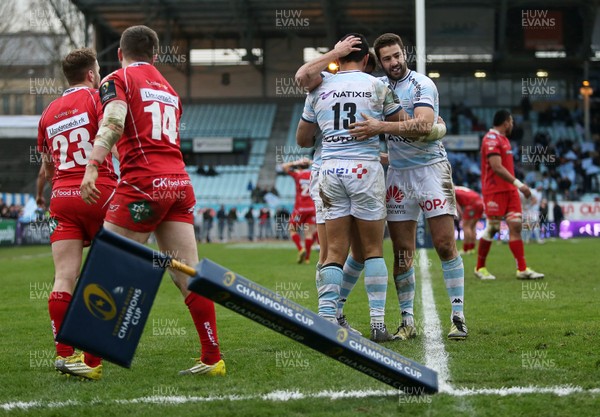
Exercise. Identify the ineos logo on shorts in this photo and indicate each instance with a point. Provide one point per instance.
(99, 302)
(394, 193)
(429, 205)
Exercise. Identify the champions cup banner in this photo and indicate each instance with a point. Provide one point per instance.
(304, 326)
(113, 297)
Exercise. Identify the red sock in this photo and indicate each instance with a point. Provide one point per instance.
(467, 247)
(205, 320)
(58, 302)
(316, 237)
(91, 360)
(482, 252)
(518, 251)
(308, 243)
(296, 239)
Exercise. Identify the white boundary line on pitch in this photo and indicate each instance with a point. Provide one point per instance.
(436, 356)
(283, 396)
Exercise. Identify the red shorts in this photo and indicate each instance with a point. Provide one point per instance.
(474, 211)
(141, 204)
(306, 217)
(501, 203)
(72, 218)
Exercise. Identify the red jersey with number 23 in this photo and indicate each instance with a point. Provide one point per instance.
(150, 142)
(494, 143)
(304, 203)
(67, 130)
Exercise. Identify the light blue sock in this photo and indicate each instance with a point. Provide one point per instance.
(352, 270)
(405, 288)
(454, 278)
(328, 288)
(376, 280)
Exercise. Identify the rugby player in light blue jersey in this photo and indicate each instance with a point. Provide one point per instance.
(351, 179)
(419, 180)
(309, 76)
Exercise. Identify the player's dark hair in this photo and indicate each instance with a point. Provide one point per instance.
(372, 63)
(139, 43)
(356, 56)
(77, 63)
(387, 39)
(501, 116)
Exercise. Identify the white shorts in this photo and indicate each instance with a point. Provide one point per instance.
(352, 188)
(428, 189)
(314, 194)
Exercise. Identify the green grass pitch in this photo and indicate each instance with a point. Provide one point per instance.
(537, 335)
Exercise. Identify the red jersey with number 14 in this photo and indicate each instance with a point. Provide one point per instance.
(67, 130)
(150, 142)
(494, 143)
(304, 202)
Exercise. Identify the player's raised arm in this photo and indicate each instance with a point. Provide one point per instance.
(109, 133)
(309, 75)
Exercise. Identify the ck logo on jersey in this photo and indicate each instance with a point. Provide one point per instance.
(429, 205)
(140, 211)
(394, 193)
(359, 171)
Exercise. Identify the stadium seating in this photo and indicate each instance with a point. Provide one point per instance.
(229, 187)
(252, 121)
(249, 121)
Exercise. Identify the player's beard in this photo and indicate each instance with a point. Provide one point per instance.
(396, 72)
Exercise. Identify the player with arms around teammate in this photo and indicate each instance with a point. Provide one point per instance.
(470, 207)
(141, 116)
(419, 179)
(65, 136)
(351, 179)
(303, 215)
(500, 191)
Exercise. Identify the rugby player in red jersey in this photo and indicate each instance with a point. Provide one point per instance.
(65, 137)
(141, 116)
(304, 212)
(470, 207)
(501, 199)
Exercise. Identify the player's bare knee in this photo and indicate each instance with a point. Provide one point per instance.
(492, 227)
(403, 260)
(445, 248)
